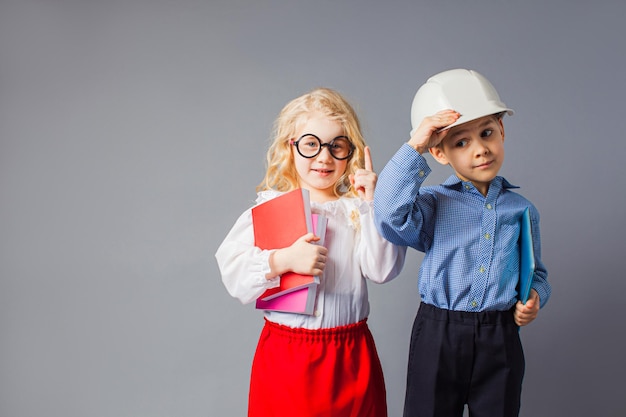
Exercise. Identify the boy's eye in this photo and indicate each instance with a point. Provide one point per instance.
(461, 143)
(486, 133)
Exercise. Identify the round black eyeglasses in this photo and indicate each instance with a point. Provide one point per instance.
(309, 146)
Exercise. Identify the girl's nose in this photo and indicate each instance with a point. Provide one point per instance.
(325, 153)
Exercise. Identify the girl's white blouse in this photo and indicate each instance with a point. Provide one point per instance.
(356, 252)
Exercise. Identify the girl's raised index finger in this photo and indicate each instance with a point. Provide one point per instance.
(368, 159)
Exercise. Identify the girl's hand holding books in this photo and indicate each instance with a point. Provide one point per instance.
(302, 257)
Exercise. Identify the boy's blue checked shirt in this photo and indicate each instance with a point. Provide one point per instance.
(470, 241)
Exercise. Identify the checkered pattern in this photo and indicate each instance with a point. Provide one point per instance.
(470, 241)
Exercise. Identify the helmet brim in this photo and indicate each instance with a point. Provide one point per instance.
(473, 114)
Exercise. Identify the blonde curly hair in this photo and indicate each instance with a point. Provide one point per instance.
(281, 173)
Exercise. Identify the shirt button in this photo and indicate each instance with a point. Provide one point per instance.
(481, 269)
(474, 303)
(421, 173)
(317, 313)
(489, 206)
(487, 236)
(467, 187)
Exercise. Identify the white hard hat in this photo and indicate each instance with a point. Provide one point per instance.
(462, 90)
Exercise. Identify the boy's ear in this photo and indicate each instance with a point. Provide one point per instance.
(439, 155)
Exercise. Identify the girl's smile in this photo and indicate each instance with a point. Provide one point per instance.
(322, 172)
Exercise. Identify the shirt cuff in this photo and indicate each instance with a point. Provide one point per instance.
(264, 269)
(412, 162)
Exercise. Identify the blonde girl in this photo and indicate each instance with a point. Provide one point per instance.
(324, 364)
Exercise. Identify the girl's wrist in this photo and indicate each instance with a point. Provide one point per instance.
(279, 263)
(274, 266)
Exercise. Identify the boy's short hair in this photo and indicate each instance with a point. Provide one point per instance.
(498, 116)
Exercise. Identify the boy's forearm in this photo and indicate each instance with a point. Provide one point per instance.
(395, 195)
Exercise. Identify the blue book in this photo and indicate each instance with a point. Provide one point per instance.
(527, 257)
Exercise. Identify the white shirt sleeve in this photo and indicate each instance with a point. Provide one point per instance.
(244, 266)
(381, 261)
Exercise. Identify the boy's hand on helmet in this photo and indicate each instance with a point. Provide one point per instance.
(429, 134)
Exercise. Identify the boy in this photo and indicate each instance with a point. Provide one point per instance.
(465, 346)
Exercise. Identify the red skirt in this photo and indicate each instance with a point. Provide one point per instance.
(313, 373)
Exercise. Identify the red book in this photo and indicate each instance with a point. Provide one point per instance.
(300, 301)
(277, 224)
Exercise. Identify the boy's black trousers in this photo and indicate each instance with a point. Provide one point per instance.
(459, 358)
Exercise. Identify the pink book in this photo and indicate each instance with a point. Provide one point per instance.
(301, 301)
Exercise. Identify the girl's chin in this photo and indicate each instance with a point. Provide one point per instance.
(322, 185)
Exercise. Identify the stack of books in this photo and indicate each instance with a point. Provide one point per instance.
(278, 223)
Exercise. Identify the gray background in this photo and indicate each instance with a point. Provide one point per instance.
(133, 133)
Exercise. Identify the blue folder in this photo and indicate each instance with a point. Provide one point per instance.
(527, 258)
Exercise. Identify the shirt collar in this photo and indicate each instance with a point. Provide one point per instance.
(454, 182)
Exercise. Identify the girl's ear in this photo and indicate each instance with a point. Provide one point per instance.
(439, 155)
